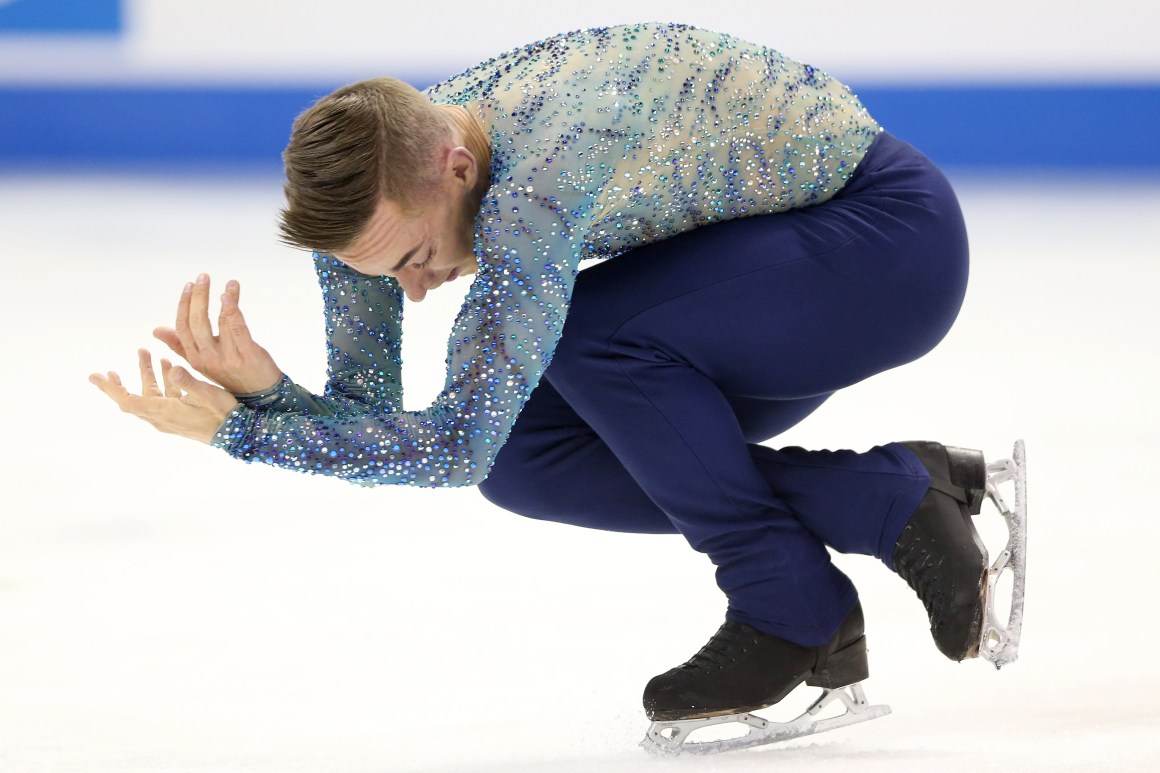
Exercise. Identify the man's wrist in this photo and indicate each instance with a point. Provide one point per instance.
(266, 397)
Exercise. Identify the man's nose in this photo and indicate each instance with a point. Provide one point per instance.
(413, 285)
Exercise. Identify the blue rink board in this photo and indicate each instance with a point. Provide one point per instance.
(1072, 127)
(61, 16)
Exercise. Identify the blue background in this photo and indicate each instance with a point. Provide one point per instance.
(56, 16)
(1013, 128)
(106, 124)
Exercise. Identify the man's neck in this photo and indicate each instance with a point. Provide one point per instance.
(472, 134)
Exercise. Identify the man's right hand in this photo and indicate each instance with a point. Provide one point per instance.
(232, 359)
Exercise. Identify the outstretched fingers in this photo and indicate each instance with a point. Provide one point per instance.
(199, 325)
(110, 384)
(171, 389)
(235, 333)
(180, 405)
(149, 384)
(145, 405)
(181, 329)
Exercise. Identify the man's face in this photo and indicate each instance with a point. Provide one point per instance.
(422, 250)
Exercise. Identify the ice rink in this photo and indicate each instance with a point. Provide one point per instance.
(165, 608)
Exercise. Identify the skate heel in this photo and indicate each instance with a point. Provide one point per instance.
(844, 667)
(965, 476)
(968, 471)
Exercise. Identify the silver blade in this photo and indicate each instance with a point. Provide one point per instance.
(1000, 639)
(672, 738)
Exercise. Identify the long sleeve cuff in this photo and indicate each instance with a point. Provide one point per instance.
(287, 397)
(267, 397)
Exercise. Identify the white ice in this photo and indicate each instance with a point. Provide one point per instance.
(165, 608)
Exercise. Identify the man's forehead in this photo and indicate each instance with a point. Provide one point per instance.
(380, 233)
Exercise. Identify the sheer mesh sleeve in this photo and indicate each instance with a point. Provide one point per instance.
(503, 338)
(364, 317)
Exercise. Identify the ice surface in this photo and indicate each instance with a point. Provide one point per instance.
(164, 608)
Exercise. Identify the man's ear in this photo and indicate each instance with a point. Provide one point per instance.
(462, 163)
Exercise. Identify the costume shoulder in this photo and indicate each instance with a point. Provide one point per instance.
(602, 49)
(643, 131)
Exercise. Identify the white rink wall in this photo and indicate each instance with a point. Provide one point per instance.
(987, 41)
(1017, 86)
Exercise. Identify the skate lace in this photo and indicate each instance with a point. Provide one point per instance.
(920, 568)
(723, 648)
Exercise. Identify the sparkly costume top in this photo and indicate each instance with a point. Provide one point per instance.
(601, 140)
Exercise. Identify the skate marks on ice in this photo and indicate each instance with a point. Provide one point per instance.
(676, 737)
(1000, 639)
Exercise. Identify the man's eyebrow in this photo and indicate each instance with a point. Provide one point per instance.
(406, 258)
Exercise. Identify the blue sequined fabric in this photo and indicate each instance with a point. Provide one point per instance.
(601, 140)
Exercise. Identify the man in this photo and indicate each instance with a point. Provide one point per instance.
(771, 245)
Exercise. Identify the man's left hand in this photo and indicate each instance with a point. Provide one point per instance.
(186, 406)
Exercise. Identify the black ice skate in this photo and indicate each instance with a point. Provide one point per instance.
(942, 557)
(742, 670)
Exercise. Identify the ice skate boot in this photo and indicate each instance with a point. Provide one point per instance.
(942, 557)
(741, 670)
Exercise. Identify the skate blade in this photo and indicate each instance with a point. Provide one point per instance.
(672, 738)
(999, 639)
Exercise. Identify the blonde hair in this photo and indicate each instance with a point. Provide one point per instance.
(372, 139)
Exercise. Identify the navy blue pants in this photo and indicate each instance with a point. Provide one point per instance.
(680, 356)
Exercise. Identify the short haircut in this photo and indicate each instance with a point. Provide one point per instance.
(374, 139)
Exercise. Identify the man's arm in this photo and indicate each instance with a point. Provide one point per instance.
(364, 318)
(502, 340)
(363, 330)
